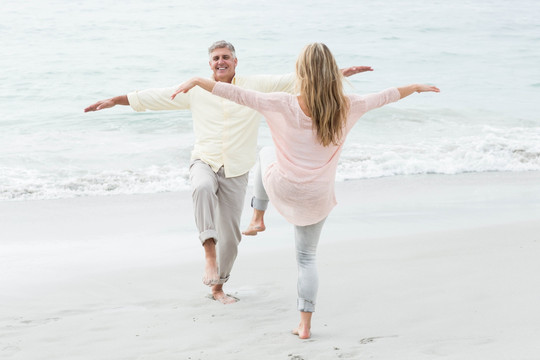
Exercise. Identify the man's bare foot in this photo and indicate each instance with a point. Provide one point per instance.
(302, 332)
(211, 274)
(257, 223)
(252, 230)
(219, 295)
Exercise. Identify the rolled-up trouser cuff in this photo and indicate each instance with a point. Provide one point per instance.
(208, 234)
(259, 204)
(222, 280)
(306, 305)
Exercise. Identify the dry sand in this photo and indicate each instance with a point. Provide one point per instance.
(417, 267)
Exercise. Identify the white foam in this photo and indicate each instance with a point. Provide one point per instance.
(35, 185)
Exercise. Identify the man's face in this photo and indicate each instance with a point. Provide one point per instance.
(223, 64)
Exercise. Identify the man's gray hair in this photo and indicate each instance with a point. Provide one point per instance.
(222, 44)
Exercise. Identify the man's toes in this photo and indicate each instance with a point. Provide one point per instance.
(224, 298)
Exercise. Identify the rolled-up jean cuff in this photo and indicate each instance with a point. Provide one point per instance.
(208, 234)
(306, 305)
(259, 204)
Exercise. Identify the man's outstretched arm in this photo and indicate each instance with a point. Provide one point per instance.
(108, 103)
(353, 70)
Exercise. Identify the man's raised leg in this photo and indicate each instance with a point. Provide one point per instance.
(260, 200)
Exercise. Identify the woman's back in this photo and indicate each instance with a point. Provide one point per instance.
(301, 182)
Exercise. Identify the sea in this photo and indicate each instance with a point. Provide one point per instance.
(59, 56)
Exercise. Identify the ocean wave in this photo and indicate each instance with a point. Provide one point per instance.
(358, 161)
(375, 149)
(33, 185)
(493, 152)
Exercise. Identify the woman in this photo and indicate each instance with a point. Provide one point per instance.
(308, 131)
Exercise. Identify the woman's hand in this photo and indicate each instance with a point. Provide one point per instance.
(355, 70)
(185, 87)
(405, 91)
(425, 88)
(205, 84)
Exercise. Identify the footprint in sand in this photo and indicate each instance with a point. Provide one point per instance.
(296, 357)
(372, 339)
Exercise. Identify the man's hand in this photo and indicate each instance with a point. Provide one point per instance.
(355, 70)
(108, 103)
(103, 104)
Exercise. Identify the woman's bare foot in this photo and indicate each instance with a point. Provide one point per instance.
(219, 295)
(257, 223)
(304, 328)
(211, 274)
(302, 332)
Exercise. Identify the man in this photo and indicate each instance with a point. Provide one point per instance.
(223, 153)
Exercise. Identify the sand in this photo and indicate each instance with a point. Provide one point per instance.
(415, 267)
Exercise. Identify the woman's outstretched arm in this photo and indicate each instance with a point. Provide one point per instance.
(405, 91)
(206, 84)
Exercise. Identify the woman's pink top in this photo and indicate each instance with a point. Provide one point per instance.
(300, 184)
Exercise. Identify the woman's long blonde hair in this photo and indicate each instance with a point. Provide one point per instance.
(320, 83)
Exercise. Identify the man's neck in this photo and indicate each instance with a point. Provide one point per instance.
(230, 81)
